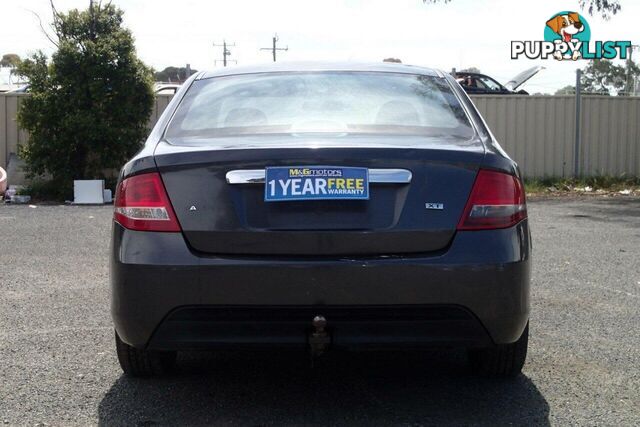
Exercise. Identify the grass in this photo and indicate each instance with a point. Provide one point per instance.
(593, 184)
(48, 191)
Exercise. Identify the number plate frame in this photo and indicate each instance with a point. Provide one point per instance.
(300, 183)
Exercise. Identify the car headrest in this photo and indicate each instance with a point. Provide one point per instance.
(397, 113)
(245, 117)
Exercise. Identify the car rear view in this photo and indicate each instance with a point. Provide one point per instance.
(320, 207)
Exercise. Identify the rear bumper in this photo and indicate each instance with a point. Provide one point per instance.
(164, 296)
(349, 326)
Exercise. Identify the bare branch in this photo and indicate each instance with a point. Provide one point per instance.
(54, 11)
(56, 18)
(46, 34)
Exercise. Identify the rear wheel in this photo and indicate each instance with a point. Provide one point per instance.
(143, 363)
(504, 360)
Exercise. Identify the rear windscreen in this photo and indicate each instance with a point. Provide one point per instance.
(352, 102)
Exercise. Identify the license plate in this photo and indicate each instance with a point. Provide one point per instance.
(316, 183)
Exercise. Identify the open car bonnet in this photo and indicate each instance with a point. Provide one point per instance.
(521, 78)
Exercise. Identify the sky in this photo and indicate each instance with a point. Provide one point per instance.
(460, 34)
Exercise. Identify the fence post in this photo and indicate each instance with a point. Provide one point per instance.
(576, 147)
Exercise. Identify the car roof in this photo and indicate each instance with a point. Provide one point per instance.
(388, 67)
(465, 73)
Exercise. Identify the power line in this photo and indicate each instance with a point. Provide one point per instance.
(274, 47)
(225, 52)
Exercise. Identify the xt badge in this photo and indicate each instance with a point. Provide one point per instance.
(434, 206)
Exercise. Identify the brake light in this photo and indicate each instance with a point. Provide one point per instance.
(142, 204)
(496, 201)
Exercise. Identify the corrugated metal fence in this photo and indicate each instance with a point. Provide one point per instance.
(539, 133)
(536, 131)
(10, 133)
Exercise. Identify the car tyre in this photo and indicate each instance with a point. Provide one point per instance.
(501, 361)
(143, 363)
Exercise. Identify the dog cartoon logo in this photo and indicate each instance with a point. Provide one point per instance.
(566, 27)
(567, 35)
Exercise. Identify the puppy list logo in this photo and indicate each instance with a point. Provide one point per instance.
(567, 35)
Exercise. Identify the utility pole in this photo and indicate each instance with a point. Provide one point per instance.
(576, 147)
(274, 47)
(225, 52)
(629, 85)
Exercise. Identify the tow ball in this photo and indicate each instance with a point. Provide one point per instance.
(319, 339)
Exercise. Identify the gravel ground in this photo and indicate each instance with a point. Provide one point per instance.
(58, 366)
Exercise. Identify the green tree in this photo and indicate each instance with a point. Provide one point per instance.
(89, 106)
(10, 60)
(604, 77)
(567, 90)
(173, 74)
(605, 8)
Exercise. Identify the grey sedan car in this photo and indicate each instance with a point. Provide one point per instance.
(320, 207)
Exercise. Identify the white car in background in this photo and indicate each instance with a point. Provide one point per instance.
(8, 81)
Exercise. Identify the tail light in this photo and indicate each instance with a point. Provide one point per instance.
(496, 201)
(142, 204)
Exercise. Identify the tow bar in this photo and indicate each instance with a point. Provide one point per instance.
(319, 339)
